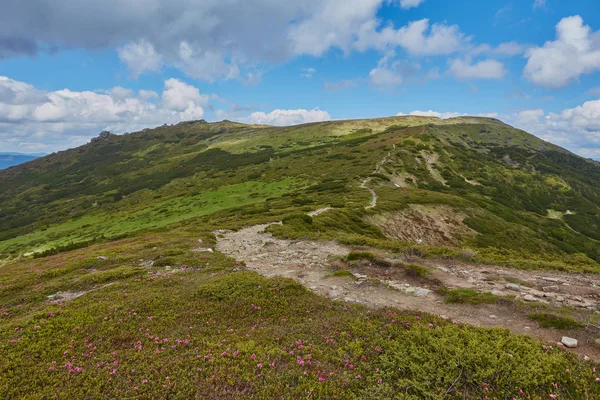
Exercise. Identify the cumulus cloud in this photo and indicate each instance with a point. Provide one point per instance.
(417, 38)
(288, 117)
(486, 69)
(387, 75)
(406, 4)
(445, 115)
(215, 39)
(33, 119)
(140, 57)
(577, 129)
(576, 51)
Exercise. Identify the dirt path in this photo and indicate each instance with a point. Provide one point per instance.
(377, 169)
(310, 263)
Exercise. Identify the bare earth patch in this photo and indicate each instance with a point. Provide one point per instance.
(436, 225)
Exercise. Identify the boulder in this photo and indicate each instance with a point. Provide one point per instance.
(512, 286)
(529, 297)
(569, 342)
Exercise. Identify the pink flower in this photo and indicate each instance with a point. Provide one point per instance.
(259, 366)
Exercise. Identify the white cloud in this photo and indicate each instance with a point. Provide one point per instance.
(215, 39)
(577, 129)
(140, 57)
(120, 93)
(288, 117)
(575, 52)
(179, 96)
(529, 117)
(446, 115)
(509, 48)
(387, 75)
(486, 69)
(406, 4)
(66, 118)
(417, 38)
(539, 4)
(308, 73)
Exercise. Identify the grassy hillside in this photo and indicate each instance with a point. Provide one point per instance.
(151, 318)
(109, 287)
(506, 196)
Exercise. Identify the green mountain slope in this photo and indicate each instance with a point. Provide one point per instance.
(505, 195)
(112, 283)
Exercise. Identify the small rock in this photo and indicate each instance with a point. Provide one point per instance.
(200, 241)
(443, 316)
(586, 358)
(443, 269)
(409, 290)
(102, 258)
(560, 299)
(512, 286)
(559, 344)
(597, 341)
(552, 288)
(360, 277)
(527, 328)
(496, 293)
(529, 297)
(493, 316)
(168, 268)
(569, 342)
(548, 279)
(420, 292)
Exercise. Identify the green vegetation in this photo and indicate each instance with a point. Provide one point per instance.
(102, 295)
(548, 320)
(201, 328)
(470, 296)
(342, 273)
(361, 255)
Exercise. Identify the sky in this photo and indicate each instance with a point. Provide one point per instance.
(70, 69)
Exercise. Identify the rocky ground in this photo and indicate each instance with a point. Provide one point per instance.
(312, 264)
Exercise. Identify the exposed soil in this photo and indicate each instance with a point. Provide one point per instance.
(312, 263)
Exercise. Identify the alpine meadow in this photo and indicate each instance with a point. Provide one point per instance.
(131, 268)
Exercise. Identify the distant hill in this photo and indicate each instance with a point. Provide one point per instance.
(500, 192)
(11, 159)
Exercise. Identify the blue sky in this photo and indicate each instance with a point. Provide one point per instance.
(71, 69)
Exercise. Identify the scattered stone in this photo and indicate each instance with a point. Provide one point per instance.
(559, 344)
(360, 277)
(529, 297)
(102, 258)
(420, 292)
(496, 293)
(443, 269)
(552, 288)
(409, 290)
(512, 286)
(597, 341)
(444, 316)
(548, 279)
(569, 342)
(493, 316)
(168, 268)
(527, 328)
(586, 358)
(200, 241)
(560, 299)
